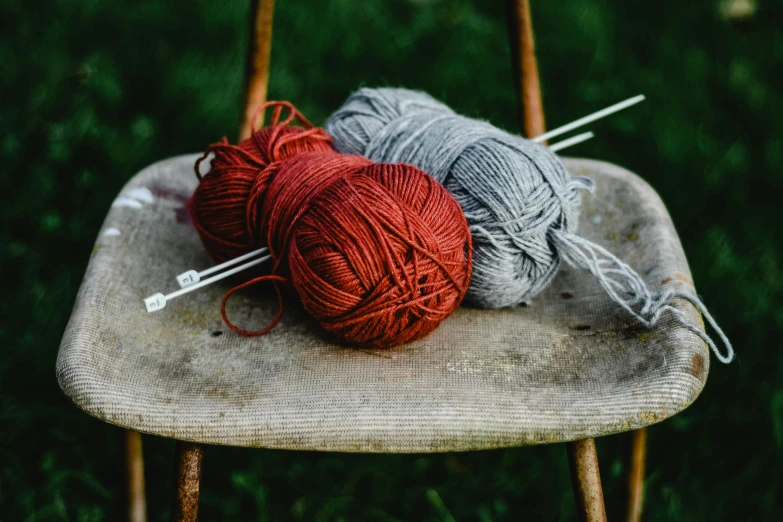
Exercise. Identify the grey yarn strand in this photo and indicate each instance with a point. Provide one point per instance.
(520, 203)
(626, 288)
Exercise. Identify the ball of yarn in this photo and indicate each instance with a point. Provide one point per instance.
(380, 254)
(220, 206)
(514, 193)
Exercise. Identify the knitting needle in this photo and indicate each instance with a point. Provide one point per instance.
(579, 138)
(191, 277)
(589, 118)
(158, 301)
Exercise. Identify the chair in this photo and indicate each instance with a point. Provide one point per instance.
(570, 367)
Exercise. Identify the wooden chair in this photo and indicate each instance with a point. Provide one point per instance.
(568, 368)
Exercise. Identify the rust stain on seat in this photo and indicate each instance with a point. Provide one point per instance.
(697, 365)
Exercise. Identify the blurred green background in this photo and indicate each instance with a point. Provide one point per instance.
(91, 92)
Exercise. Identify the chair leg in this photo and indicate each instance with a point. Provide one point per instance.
(636, 475)
(185, 505)
(134, 464)
(586, 479)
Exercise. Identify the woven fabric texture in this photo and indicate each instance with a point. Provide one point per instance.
(571, 365)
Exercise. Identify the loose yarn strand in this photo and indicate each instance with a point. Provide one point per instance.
(293, 113)
(275, 279)
(625, 287)
(711, 321)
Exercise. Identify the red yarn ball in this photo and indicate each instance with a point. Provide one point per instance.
(380, 254)
(219, 208)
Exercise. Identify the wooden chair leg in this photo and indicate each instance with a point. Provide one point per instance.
(186, 491)
(586, 479)
(134, 465)
(636, 475)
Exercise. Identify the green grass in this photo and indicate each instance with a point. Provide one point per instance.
(91, 92)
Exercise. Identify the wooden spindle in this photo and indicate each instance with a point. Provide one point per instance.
(636, 474)
(586, 480)
(525, 66)
(582, 454)
(258, 56)
(134, 465)
(187, 489)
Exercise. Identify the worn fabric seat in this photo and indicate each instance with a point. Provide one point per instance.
(571, 365)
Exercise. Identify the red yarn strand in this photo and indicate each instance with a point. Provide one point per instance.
(274, 279)
(293, 114)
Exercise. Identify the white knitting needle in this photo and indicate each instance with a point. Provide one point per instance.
(191, 277)
(573, 140)
(158, 301)
(589, 118)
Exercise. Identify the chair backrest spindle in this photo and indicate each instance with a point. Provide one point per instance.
(523, 55)
(258, 57)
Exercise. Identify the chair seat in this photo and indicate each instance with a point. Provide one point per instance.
(570, 365)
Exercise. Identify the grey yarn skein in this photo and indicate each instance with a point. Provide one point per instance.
(520, 203)
(513, 191)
